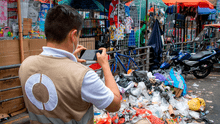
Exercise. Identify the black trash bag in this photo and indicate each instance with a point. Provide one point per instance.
(140, 76)
(124, 80)
(158, 89)
(165, 96)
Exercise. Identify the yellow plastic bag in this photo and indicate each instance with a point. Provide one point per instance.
(197, 104)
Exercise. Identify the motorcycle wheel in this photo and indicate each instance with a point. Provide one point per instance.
(202, 73)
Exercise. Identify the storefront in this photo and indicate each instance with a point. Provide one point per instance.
(185, 19)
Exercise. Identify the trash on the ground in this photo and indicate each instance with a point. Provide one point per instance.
(197, 104)
(195, 85)
(153, 99)
(212, 77)
(208, 101)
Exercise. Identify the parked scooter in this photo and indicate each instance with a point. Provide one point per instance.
(199, 64)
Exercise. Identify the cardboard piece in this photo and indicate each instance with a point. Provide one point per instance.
(27, 25)
(178, 92)
(4, 115)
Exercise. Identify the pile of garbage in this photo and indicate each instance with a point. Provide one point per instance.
(145, 99)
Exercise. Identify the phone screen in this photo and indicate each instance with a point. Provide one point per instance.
(89, 54)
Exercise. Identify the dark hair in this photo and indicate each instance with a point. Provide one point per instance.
(60, 20)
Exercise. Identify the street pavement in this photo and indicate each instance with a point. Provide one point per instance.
(208, 89)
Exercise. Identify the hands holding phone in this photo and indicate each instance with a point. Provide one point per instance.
(102, 58)
(78, 50)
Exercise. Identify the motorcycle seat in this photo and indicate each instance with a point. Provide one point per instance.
(200, 55)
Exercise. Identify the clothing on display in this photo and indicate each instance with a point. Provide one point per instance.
(127, 11)
(117, 33)
(119, 12)
(128, 21)
(134, 15)
(139, 36)
(3, 12)
(111, 11)
(131, 41)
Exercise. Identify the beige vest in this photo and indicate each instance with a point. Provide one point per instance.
(52, 90)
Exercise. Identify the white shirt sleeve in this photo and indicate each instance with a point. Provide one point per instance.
(94, 91)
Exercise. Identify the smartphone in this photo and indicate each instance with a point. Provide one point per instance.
(89, 54)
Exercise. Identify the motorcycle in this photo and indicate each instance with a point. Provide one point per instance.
(199, 64)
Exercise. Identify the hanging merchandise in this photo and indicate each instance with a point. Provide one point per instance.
(139, 35)
(3, 13)
(128, 22)
(112, 7)
(134, 14)
(33, 10)
(131, 40)
(117, 33)
(24, 9)
(42, 14)
(119, 13)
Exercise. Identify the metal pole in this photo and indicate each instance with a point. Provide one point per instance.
(105, 19)
(20, 30)
(139, 26)
(146, 35)
(118, 21)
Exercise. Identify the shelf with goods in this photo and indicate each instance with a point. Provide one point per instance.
(94, 26)
(175, 26)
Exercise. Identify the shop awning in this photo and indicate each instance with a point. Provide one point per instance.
(190, 3)
(205, 11)
(101, 7)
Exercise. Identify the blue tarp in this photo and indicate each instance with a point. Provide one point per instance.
(206, 11)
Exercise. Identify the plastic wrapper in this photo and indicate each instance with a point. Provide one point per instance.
(156, 110)
(194, 114)
(136, 91)
(141, 85)
(135, 120)
(164, 105)
(145, 93)
(156, 99)
(123, 90)
(133, 100)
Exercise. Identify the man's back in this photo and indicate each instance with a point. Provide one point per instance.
(52, 90)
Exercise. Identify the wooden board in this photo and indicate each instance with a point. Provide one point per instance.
(36, 44)
(9, 83)
(9, 73)
(89, 43)
(27, 25)
(12, 106)
(10, 93)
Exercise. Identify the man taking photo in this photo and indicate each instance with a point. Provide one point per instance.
(56, 87)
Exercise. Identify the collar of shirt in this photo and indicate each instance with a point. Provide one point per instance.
(49, 51)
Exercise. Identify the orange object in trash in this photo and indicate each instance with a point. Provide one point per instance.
(121, 121)
(129, 71)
